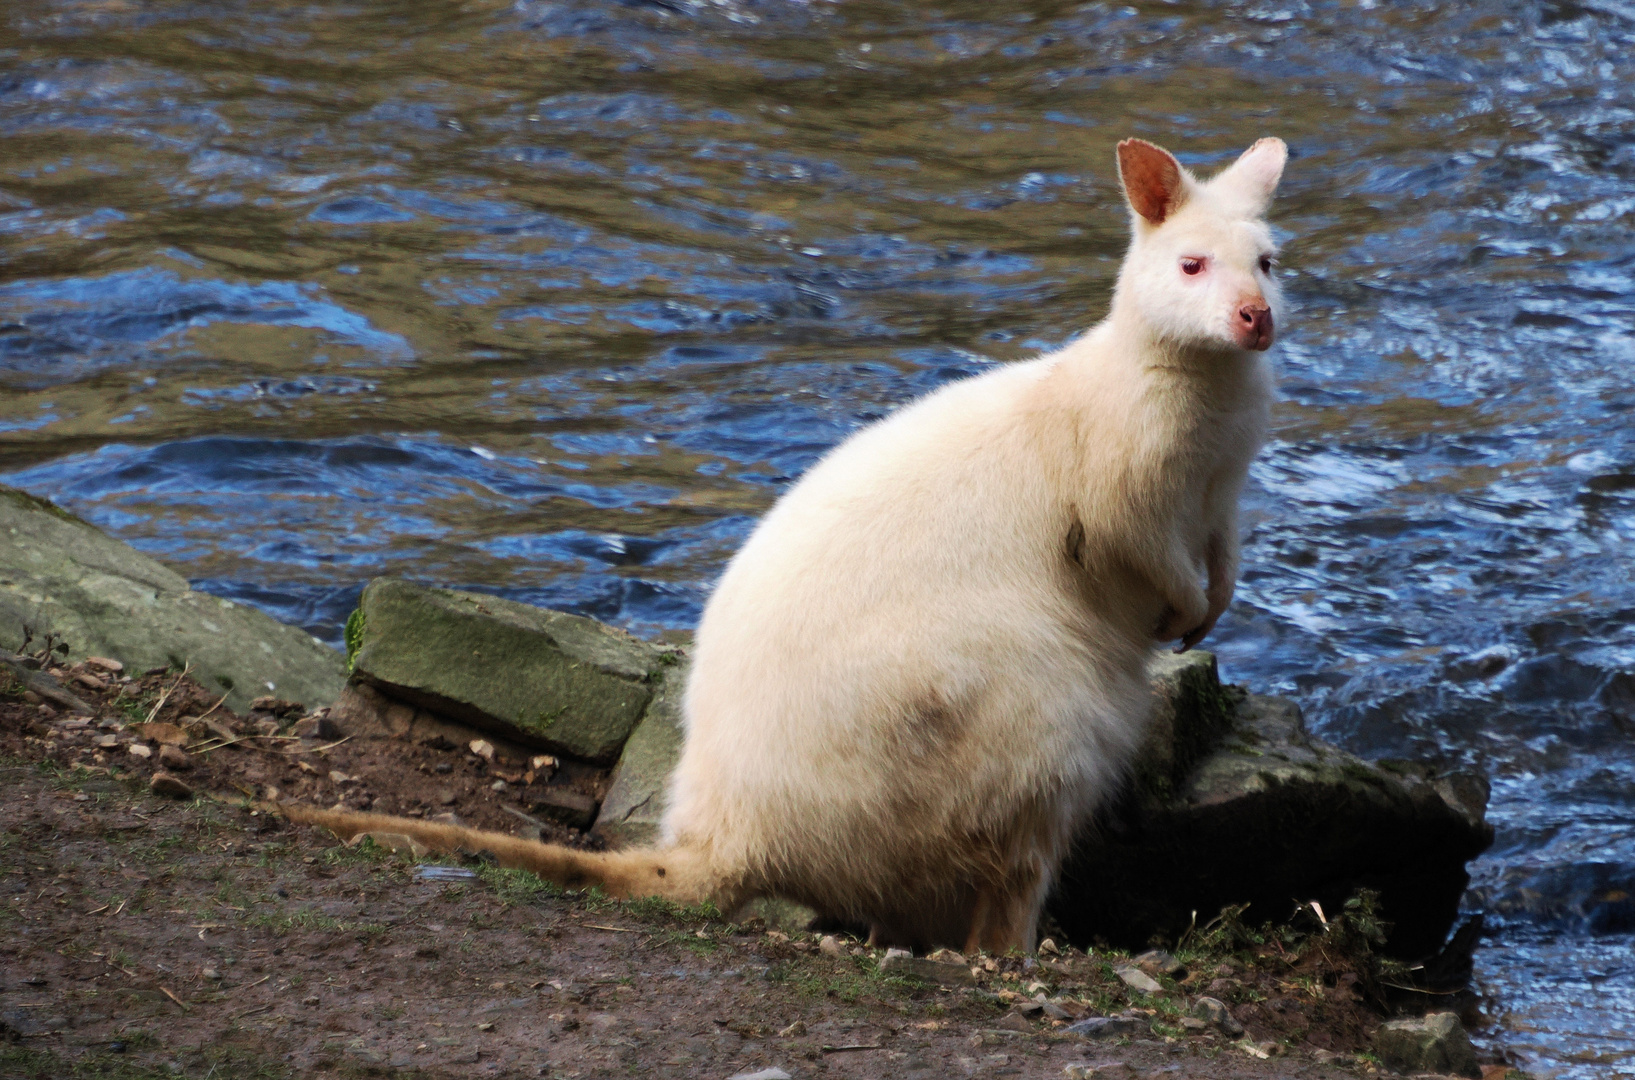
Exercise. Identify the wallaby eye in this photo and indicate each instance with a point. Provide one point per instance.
(1192, 267)
(1265, 264)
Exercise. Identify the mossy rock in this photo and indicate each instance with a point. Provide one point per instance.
(1232, 802)
(561, 682)
(63, 576)
(633, 808)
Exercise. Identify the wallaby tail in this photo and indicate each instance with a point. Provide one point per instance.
(676, 874)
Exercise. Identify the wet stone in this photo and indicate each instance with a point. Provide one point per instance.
(1136, 979)
(1213, 1011)
(1436, 1043)
(1158, 962)
(1108, 1027)
(169, 786)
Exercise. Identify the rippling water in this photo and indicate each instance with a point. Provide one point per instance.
(553, 299)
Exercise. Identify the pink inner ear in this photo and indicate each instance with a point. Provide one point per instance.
(1152, 179)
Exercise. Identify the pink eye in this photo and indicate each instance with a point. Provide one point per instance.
(1192, 267)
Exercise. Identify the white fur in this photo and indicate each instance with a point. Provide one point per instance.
(926, 666)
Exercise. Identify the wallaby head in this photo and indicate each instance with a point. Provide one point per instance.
(1199, 271)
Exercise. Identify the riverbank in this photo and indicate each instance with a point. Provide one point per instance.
(160, 926)
(148, 936)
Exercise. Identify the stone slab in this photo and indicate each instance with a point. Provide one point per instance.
(633, 809)
(543, 678)
(1434, 1043)
(1267, 813)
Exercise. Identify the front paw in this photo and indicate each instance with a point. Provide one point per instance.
(1175, 623)
(1195, 635)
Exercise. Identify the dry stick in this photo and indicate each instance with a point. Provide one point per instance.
(43, 684)
(234, 742)
(185, 1006)
(164, 695)
(247, 738)
(314, 750)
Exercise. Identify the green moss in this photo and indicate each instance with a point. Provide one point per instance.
(366, 852)
(354, 637)
(34, 502)
(516, 888)
(658, 908)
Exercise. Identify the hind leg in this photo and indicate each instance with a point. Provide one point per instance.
(1006, 916)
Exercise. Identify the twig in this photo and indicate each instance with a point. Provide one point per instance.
(164, 695)
(252, 1012)
(214, 707)
(845, 1049)
(258, 982)
(314, 750)
(250, 738)
(43, 684)
(1423, 990)
(185, 1006)
(615, 929)
(529, 818)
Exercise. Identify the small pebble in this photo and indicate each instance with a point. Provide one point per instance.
(141, 750)
(165, 784)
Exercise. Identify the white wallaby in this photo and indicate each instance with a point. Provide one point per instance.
(926, 667)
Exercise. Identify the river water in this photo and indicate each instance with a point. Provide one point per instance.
(552, 299)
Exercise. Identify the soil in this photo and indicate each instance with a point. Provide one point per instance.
(150, 936)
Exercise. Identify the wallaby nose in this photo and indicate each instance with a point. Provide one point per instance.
(1255, 325)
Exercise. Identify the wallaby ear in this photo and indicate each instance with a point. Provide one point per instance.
(1153, 181)
(1256, 173)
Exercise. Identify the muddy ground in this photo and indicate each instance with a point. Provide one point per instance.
(149, 936)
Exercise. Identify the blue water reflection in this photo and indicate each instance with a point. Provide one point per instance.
(552, 300)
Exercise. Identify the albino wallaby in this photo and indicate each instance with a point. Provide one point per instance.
(926, 667)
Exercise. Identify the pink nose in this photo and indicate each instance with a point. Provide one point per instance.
(1255, 325)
